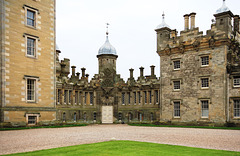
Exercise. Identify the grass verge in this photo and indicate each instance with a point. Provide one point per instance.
(125, 148)
(55, 126)
(207, 127)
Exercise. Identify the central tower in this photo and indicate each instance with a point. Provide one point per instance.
(107, 57)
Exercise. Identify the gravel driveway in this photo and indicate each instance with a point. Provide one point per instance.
(37, 139)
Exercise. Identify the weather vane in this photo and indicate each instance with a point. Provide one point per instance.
(107, 27)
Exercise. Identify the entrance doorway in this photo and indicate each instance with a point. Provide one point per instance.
(107, 114)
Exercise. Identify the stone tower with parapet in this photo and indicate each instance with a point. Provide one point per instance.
(198, 72)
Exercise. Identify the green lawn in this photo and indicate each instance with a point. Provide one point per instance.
(130, 148)
(207, 127)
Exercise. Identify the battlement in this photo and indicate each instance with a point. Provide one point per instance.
(168, 41)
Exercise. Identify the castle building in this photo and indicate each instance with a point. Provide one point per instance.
(27, 44)
(199, 82)
(200, 74)
(106, 98)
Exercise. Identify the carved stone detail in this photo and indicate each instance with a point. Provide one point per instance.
(211, 42)
(196, 44)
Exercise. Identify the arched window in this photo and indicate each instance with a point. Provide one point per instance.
(151, 117)
(75, 116)
(95, 116)
(140, 117)
(129, 116)
(119, 116)
(64, 117)
(85, 116)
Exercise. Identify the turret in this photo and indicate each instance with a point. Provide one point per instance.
(223, 18)
(163, 34)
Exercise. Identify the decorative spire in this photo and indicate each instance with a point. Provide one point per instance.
(224, 8)
(163, 24)
(107, 28)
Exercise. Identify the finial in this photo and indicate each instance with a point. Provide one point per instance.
(107, 28)
(163, 15)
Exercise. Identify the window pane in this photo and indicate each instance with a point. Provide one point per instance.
(150, 96)
(30, 46)
(205, 82)
(31, 89)
(176, 64)
(91, 98)
(236, 81)
(32, 119)
(123, 98)
(205, 60)
(236, 108)
(30, 18)
(205, 108)
(176, 85)
(177, 109)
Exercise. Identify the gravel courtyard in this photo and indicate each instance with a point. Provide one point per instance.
(37, 139)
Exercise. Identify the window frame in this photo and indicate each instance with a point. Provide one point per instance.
(139, 97)
(32, 115)
(70, 97)
(202, 84)
(174, 85)
(156, 96)
(176, 66)
(36, 39)
(236, 84)
(150, 97)
(35, 11)
(65, 98)
(76, 98)
(145, 97)
(207, 62)
(176, 110)
(203, 109)
(123, 98)
(236, 110)
(58, 96)
(91, 98)
(35, 79)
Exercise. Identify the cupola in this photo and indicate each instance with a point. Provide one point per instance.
(163, 24)
(107, 48)
(224, 8)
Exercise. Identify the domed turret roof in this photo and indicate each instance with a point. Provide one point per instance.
(163, 24)
(224, 8)
(107, 48)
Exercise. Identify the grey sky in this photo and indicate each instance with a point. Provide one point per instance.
(81, 27)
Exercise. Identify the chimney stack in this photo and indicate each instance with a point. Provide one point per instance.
(131, 72)
(83, 72)
(141, 71)
(192, 15)
(73, 70)
(186, 19)
(152, 70)
(78, 74)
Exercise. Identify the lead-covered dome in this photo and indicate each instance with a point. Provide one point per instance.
(224, 8)
(107, 48)
(163, 24)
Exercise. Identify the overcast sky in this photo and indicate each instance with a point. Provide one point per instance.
(81, 29)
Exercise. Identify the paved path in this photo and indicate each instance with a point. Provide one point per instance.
(37, 139)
